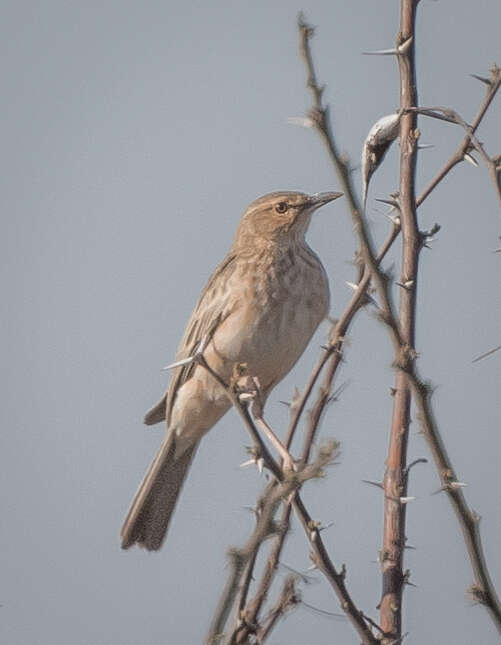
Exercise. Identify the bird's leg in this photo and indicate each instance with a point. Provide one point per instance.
(288, 461)
(249, 391)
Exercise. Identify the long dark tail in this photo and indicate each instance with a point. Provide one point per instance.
(148, 519)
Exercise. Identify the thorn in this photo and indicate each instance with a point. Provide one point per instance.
(388, 214)
(450, 486)
(407, 285)
(337, 392)
(403, 47)
(391, 202)
(393, 51)
(468, 157)
(302, 121)
(327, 526)
(200, 348)
(381, 52)
(421, 460)
(482, 79)
(425, 146)
(406, 500)
(249, 462)
(184, 361)
(442, 115)
(373, 483)
(369, 298)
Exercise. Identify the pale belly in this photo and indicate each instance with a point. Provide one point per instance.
(266, 333)
(270, 334)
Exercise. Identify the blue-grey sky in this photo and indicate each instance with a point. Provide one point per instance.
(133, 135)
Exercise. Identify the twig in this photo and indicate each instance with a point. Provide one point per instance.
(319, 115)
(294, 480)
(468, 519)
(493, 85)
(240, 558)
(492, 163)
(336, 578)
(288, 598)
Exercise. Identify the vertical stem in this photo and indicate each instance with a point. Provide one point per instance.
(395, 479)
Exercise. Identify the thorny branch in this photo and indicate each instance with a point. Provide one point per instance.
(470, 141)
(312, 529)
(464, 148)
(265, 528)
(396, 474)
(483, 590)
(289, 597)
(332, 357)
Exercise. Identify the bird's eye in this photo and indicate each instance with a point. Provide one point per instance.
(281, 207)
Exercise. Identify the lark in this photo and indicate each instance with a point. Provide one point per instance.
(260, 308)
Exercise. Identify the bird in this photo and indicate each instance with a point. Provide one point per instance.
(259, 308)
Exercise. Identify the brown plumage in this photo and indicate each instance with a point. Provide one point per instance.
(268, 295)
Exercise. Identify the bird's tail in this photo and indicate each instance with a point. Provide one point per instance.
(148, 518)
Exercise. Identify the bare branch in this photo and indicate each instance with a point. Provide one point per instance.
(402, 334)
(332, 357)
(288, 484)
(468, 519)
(289, 597)
(321, 559)
(240, 558)
(396, 474)
(492, 87)
(405, 352)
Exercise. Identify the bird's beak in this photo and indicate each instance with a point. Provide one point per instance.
(320, 199)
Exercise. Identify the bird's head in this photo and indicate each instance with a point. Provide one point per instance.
(281, 217)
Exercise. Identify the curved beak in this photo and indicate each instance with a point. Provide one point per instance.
(320, 199)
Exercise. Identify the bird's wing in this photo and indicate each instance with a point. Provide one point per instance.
(212, 308)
